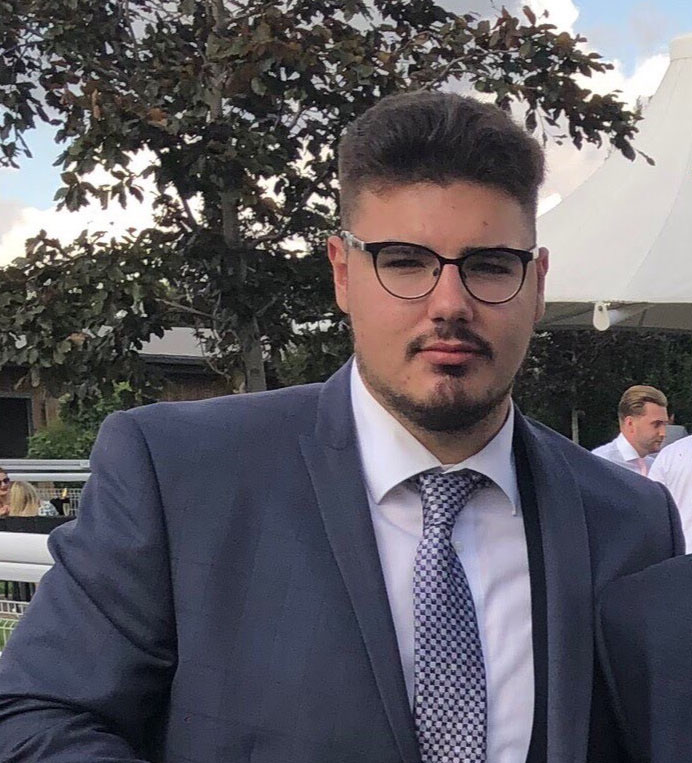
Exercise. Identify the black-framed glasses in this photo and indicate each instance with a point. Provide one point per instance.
(5, 481)
(410, 271)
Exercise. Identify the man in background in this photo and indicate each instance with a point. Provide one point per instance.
(674, 431)
(673, 468)
(643, 416)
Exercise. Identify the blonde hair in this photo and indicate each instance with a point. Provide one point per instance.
(635, 398)
(24, 500)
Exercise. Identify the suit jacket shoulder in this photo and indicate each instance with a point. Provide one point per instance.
(645, 621)
(291, 406)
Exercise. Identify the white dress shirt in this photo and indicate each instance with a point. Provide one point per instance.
(490, 540)
(673, 467)
(621, 452)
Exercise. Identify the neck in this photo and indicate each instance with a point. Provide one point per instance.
(454, 447)
(640, 453)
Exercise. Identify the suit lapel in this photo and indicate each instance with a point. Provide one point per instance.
(569, 596)
(333, 461)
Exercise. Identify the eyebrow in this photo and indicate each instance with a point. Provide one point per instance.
(464, 250)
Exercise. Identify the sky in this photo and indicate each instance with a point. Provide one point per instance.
(631, 34)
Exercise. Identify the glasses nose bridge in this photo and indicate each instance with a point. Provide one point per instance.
(455, 262)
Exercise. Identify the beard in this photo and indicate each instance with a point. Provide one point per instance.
(450, 408)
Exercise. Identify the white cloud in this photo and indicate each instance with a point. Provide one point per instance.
(642, 83)
(562, 13)
(26, 222)
(23, 222)
(569, 167)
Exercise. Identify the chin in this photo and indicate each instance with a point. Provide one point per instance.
(447, 407)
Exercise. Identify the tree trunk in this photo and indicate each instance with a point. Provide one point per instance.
(575, 426)
(251, 349)
(253, 358)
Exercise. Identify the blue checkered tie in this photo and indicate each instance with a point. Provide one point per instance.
(449, 694)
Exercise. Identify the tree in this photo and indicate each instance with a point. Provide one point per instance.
(73, 434)
(236, 106)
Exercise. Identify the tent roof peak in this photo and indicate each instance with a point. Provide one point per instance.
(681, 47)
(625, 234)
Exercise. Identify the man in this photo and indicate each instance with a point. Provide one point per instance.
(674, 432)
(392, 567)
(673, 468)
(643, 416)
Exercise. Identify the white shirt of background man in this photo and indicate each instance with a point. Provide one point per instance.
(490, 541)
(621, 451)
(673, 468)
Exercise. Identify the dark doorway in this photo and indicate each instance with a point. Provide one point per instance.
(14, 426)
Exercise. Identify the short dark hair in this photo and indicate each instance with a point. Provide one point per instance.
(438, 138)
(635, 398)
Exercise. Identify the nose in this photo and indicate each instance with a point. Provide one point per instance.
(450, 299)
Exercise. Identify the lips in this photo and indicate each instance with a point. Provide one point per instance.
(450, 353)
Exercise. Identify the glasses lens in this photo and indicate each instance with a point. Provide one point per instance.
(406, 270)
(492, 275)
(5, 480)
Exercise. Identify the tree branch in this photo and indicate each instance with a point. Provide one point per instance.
(185, 309)
(281, 232)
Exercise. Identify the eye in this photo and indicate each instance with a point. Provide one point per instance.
(492, 264)
(405, 258)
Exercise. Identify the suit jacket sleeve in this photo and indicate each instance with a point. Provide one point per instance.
(88, 669)
(675, 524)
(643, 628)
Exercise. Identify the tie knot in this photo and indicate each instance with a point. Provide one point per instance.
(444, 495)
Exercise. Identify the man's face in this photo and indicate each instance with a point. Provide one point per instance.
(646, 432)
(442, 361)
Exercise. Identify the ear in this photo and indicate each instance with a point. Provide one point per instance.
(338, 257)
(542, 264)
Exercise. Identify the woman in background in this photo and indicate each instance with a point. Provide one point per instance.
(4, 493)
(25, 502)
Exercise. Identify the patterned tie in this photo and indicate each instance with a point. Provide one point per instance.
(449, 694)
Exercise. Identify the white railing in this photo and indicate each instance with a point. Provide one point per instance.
(24, 557)
(12, 608)
(47, 470)
(43, 472)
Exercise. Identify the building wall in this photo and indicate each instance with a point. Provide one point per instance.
(44, 408)
(186, 387)
(183, 382)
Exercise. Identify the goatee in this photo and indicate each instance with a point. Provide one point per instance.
(449, 409)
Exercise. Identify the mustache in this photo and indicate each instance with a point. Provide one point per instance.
(451, 331)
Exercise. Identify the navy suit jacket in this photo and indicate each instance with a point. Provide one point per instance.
(220, 596)
(645, 635)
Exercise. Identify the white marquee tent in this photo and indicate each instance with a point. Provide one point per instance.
(621, 244)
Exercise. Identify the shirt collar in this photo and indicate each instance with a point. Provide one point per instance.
(390, 454)
(626, 449)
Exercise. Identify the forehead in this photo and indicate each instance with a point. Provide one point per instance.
(655, 411)
(441, 214)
